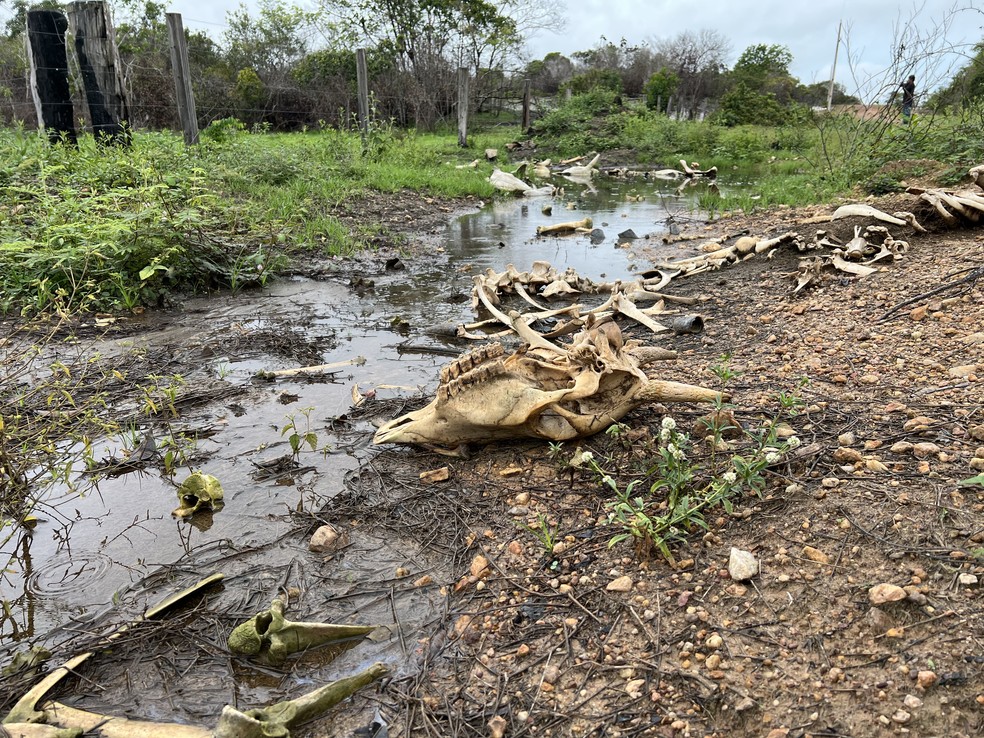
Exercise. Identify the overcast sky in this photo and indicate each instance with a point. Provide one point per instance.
(871, 28)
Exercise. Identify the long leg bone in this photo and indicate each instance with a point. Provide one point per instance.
(564, 227)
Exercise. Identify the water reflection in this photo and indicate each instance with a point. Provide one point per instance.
(87, 550)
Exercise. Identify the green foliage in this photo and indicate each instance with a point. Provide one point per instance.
(764, 69)
(967, 87)
(743, 105)
(595, 79)
(299, 437)
(579, 124)
(103, 227)
(107, 228)
(223, 130)
(545, 533)
(660, 86)
(681, 486)
(882, 184)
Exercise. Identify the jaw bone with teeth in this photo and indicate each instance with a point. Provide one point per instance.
(547, 392)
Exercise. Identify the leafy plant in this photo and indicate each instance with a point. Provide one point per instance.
(545, 533)
(298, 437)
(679, 488)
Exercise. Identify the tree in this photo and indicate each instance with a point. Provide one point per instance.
(270, 43)
(17, 23)
(698, 60)
(741, 105)
(660, 87)
(633, 64)
(604, 79)
(815, 95)
(967, 86)
(765, 70)
(549, 73)
(429, 39)
(145, 52)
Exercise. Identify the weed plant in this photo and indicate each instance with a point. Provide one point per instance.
(683, 482)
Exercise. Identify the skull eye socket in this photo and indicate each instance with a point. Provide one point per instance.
(263, 621)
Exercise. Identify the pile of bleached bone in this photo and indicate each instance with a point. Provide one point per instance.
(546, 282)
(962, 206)
(871, 244)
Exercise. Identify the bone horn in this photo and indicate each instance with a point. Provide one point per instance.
(313, 704)
(658, 390)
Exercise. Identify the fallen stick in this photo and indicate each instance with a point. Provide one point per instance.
(973, 276)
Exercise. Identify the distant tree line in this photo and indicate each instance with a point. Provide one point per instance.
(288, 67)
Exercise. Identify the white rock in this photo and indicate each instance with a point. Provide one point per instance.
(968, 580)
(912, 702)
(742, 565)
(901, 717)
(622, 584)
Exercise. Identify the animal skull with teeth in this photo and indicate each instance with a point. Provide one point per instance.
(548, 392)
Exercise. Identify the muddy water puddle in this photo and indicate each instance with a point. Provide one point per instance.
(91, 554)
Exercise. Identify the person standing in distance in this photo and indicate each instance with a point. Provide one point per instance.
(908, 97)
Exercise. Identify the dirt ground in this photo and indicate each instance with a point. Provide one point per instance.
(569, 637)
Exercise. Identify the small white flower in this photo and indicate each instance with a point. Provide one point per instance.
(678, 453)
(793, 442)
(664, 434)
(587, 457)
(730, 477)
(772, 457)
(668, 423)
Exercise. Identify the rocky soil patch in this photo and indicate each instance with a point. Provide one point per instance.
(861, 614)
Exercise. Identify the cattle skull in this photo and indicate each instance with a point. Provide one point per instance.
(555, 395)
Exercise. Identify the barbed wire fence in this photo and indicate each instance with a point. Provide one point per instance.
(273, 98)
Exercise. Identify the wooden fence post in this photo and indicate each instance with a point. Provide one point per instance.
(526, 105)
(462, 106)
(181, 73)
(362, 87)
(99, 63)
(48, 59)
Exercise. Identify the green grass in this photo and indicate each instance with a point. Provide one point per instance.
(101, 228)
(805, 162)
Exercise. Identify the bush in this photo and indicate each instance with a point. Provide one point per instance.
(595, 79)
(659, 88)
